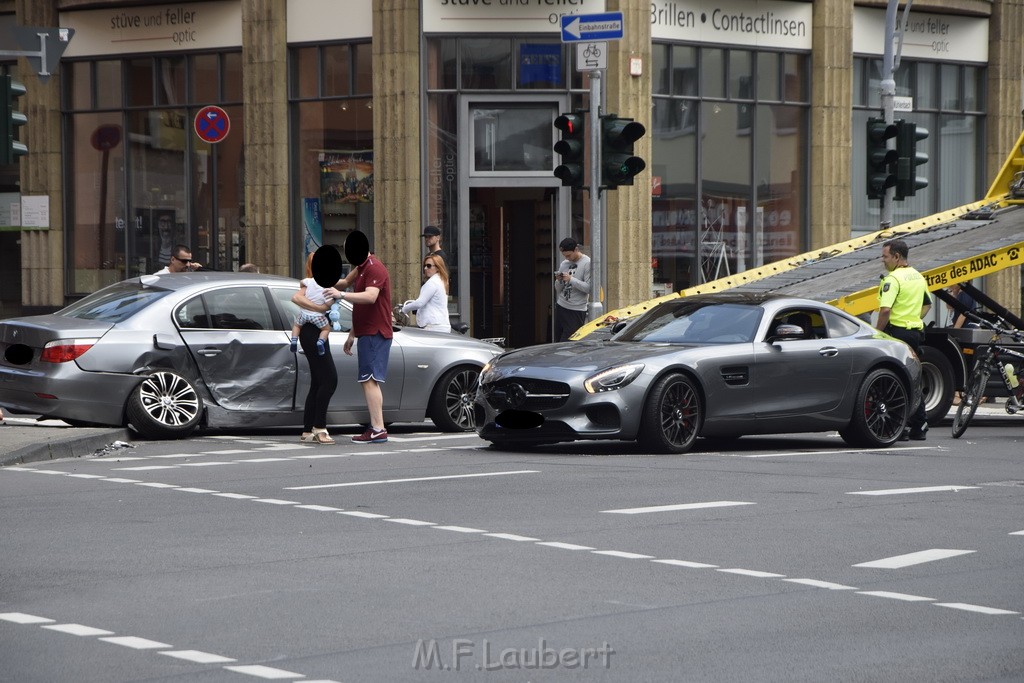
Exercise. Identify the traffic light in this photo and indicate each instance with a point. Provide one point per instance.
(570, 147)
(881, 161)
(907, 181)
(618, 162)
(10, 119)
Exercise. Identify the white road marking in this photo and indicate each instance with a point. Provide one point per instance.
(156, 485)
(681, 506)
(906, 597)
(433, 437)
(320, 456)
(121, 480)
(22, 618)
(198, 656)
(236, 496)
(230, 451)
(972, 608)
(265, 460)
(822, 584)
(265, 672)
(142, 468)
(461, 529)
(204, 464)
(318, 508)
(828, 452)
(920, 557)
(564, 546)
(285, 447)
(275, 501)
(410, 522)
(136, 643)
(920, 489)
(1017, 533)
(86, 476)
(622, 554)
(364, 515)
(752, 572)
(192, 489)
(79, 630)
(512, 537)
(684, 563)
(402, 481)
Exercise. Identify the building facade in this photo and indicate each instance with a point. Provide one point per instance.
(389, 115)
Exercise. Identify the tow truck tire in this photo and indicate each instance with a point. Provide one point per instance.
(937, 384)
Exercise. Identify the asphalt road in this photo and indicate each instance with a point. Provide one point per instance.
(241, 557)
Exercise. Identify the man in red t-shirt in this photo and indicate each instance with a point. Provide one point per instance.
(371, 325)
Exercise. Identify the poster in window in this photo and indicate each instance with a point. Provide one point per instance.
(345, 178)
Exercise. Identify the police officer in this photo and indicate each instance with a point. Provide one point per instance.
(899, 314)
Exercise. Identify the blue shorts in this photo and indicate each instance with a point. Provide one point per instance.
(373, 351)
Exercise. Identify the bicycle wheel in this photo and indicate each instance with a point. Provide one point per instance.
(973, 392)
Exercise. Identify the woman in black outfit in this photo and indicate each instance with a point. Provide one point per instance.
(323, 380)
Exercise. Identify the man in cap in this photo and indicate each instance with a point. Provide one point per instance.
(432, 239)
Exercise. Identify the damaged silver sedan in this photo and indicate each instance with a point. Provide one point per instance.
(166, 355)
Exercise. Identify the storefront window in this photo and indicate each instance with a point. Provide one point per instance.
(141, 179)
(728, 164)
(332, 117)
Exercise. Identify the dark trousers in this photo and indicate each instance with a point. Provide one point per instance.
(913, 339)
(323, 378)
(567, 322)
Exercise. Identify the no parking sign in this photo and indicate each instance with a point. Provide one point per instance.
(212, 124)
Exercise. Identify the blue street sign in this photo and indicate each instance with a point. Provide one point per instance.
(580, 27)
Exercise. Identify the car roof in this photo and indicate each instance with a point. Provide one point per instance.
(179, 281)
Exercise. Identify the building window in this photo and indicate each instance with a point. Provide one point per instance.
(728, 167)
(141, 180)
(332, 124)
(948, 100)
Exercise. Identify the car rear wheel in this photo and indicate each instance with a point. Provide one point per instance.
(164, 405)
(451, 405)
(672, 416)
(880, 412)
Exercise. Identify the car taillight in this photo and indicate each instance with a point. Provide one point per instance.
(64, 350)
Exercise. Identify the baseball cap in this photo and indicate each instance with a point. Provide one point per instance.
(431, 231)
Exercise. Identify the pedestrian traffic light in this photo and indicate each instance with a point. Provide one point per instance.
(881, 160)
(570, 147)
(10, 119)
(618, 161)
(907, 181)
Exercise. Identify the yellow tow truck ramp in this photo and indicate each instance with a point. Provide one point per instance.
(960, 244)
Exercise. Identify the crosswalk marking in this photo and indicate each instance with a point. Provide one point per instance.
(910, 559)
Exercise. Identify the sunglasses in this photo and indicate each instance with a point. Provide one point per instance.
(183, 260)
(429, 265)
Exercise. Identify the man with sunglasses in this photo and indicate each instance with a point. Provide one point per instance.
(181, 261)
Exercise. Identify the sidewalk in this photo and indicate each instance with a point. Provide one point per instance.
(26, 438)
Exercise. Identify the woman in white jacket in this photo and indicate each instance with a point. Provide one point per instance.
(431, 306)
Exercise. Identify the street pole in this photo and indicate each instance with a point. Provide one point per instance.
(891, 62)
(595, 309)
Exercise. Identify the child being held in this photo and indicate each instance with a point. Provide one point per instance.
(314, 293)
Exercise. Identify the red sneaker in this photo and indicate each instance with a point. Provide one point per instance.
(372, 436)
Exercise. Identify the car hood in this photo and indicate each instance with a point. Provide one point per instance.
(37, 330)
(588, 356)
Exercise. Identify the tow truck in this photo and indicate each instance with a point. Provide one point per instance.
(956, 245)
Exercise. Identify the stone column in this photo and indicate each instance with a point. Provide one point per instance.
(42, 251)
(396, 142)
(627, 213)
(268, 230)
(1005, 58)
(831, 122)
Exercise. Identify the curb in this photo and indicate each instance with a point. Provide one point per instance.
(73, 447)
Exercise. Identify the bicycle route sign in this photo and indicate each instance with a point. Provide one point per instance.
(212, 124)
(591, 55)
(590, 27)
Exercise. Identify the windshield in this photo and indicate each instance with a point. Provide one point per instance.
(681, 322)
(115, 303)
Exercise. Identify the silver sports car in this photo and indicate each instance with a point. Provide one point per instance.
(717, 365)
(166, 354)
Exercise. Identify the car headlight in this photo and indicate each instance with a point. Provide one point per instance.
(485, 373)
(612, 378)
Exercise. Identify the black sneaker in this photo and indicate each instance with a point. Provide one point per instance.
(917, 434)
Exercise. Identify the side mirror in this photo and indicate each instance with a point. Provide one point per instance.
(787, 332)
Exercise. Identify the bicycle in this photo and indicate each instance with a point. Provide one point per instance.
(992, 358)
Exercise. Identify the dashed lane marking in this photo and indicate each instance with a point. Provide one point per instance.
(146, 644)
(809, 582)
(403, 481)
(828, 452)
(910, 559)
(919, 489)
(680, 506)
